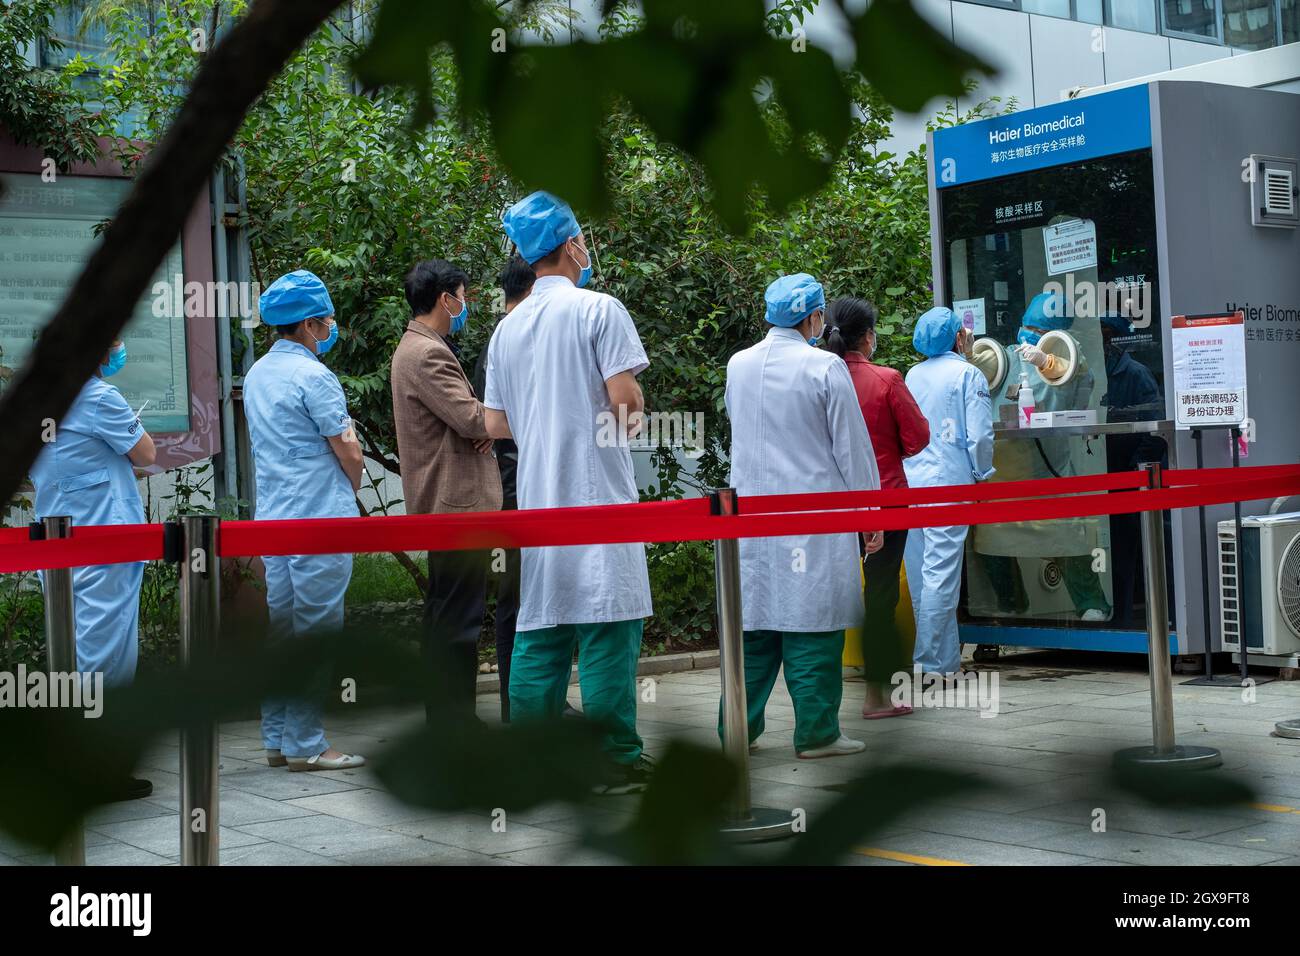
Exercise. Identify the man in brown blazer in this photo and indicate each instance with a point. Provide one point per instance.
(447, 466)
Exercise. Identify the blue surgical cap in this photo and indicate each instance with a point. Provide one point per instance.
(294, 297)
(539, 224)
(1047, 311)
(791, 299)
(1118, 323)
(936, 332)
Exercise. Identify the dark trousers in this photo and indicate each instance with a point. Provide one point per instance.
(453, 618)
(507, 614)
(880, 638)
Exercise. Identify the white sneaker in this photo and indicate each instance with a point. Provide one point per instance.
(319, 762)
(840, 748)
(1093, 614)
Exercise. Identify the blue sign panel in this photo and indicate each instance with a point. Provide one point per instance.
(1092, 126)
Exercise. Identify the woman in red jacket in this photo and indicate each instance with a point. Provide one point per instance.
(898, 430)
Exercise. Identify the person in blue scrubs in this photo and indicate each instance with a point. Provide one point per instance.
(86, 472)
(308, 465)
(954, 397)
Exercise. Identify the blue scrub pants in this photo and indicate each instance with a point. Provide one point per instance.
(304, 594)
(106, 602)
(607, 659)
(933, 559)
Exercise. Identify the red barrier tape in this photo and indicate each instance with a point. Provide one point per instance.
(686, 520)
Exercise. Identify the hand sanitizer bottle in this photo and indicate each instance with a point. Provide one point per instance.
(1025, 399)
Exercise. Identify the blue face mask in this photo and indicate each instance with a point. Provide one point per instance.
(1026, 337)
(460, 318)
(816, 339)
(585, 275)
(116, 359)
(327, 343)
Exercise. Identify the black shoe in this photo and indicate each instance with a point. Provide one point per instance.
(571, 711)
(132, 788)
(627, 778)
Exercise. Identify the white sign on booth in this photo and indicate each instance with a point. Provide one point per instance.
(1209, 369)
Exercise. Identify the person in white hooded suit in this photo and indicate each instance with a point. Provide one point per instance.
(796, 427)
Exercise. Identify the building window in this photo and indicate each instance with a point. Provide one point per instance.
(1249, 24)
(1049, 8)
(1291, 21)
(1195, 17)
(1132, 15)
(1089, 11)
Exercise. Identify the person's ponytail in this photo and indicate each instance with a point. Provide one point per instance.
(833, 341)
(849, 321)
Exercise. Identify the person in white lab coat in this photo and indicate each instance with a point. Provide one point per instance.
(796, 426)
(954, 397)
(561, 380)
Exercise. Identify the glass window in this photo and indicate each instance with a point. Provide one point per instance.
(1290, 21)
(1086, 232)
(1196, 17)
(46, 231)
(1051, 8)
(1249, 24)
(1133, 15)
(1089, 11)
(68, 29)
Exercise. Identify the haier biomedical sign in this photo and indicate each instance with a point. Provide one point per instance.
(1092, 126)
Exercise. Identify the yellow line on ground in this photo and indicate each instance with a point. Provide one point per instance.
(906, 857)
(1272, 808)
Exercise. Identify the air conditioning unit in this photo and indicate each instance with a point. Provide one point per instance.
(1270, 583)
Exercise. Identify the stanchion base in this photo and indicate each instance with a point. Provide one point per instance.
(1287, 728)
(763, 823)
(1181, 758)
(1218, 680)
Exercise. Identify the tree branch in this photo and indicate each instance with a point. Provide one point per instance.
(232, 76)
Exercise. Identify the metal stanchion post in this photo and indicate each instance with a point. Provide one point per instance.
(1164, 752)
(744, 823)
(200, 591)
(61, 657)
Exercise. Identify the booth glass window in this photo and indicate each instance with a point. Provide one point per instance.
(1249, 24)
(1086, 234)
(1193, 17)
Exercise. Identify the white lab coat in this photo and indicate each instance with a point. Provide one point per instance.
(796, 427)
(547, 366)
(954, 397)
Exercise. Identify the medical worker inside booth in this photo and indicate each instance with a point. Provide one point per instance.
(1033, 264)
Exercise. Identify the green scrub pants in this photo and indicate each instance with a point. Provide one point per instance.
(607, 659)
(813, 676)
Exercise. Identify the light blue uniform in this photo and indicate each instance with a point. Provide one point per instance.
(84, 473)
(294, 404)
(954, 397)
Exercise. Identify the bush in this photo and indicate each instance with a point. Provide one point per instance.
(681, 584)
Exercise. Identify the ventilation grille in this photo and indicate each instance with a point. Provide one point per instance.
(1228, 587)
(1273, 193)
(1278, 197)
(1288, 585)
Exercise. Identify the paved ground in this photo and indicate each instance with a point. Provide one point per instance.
(1059, 722)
